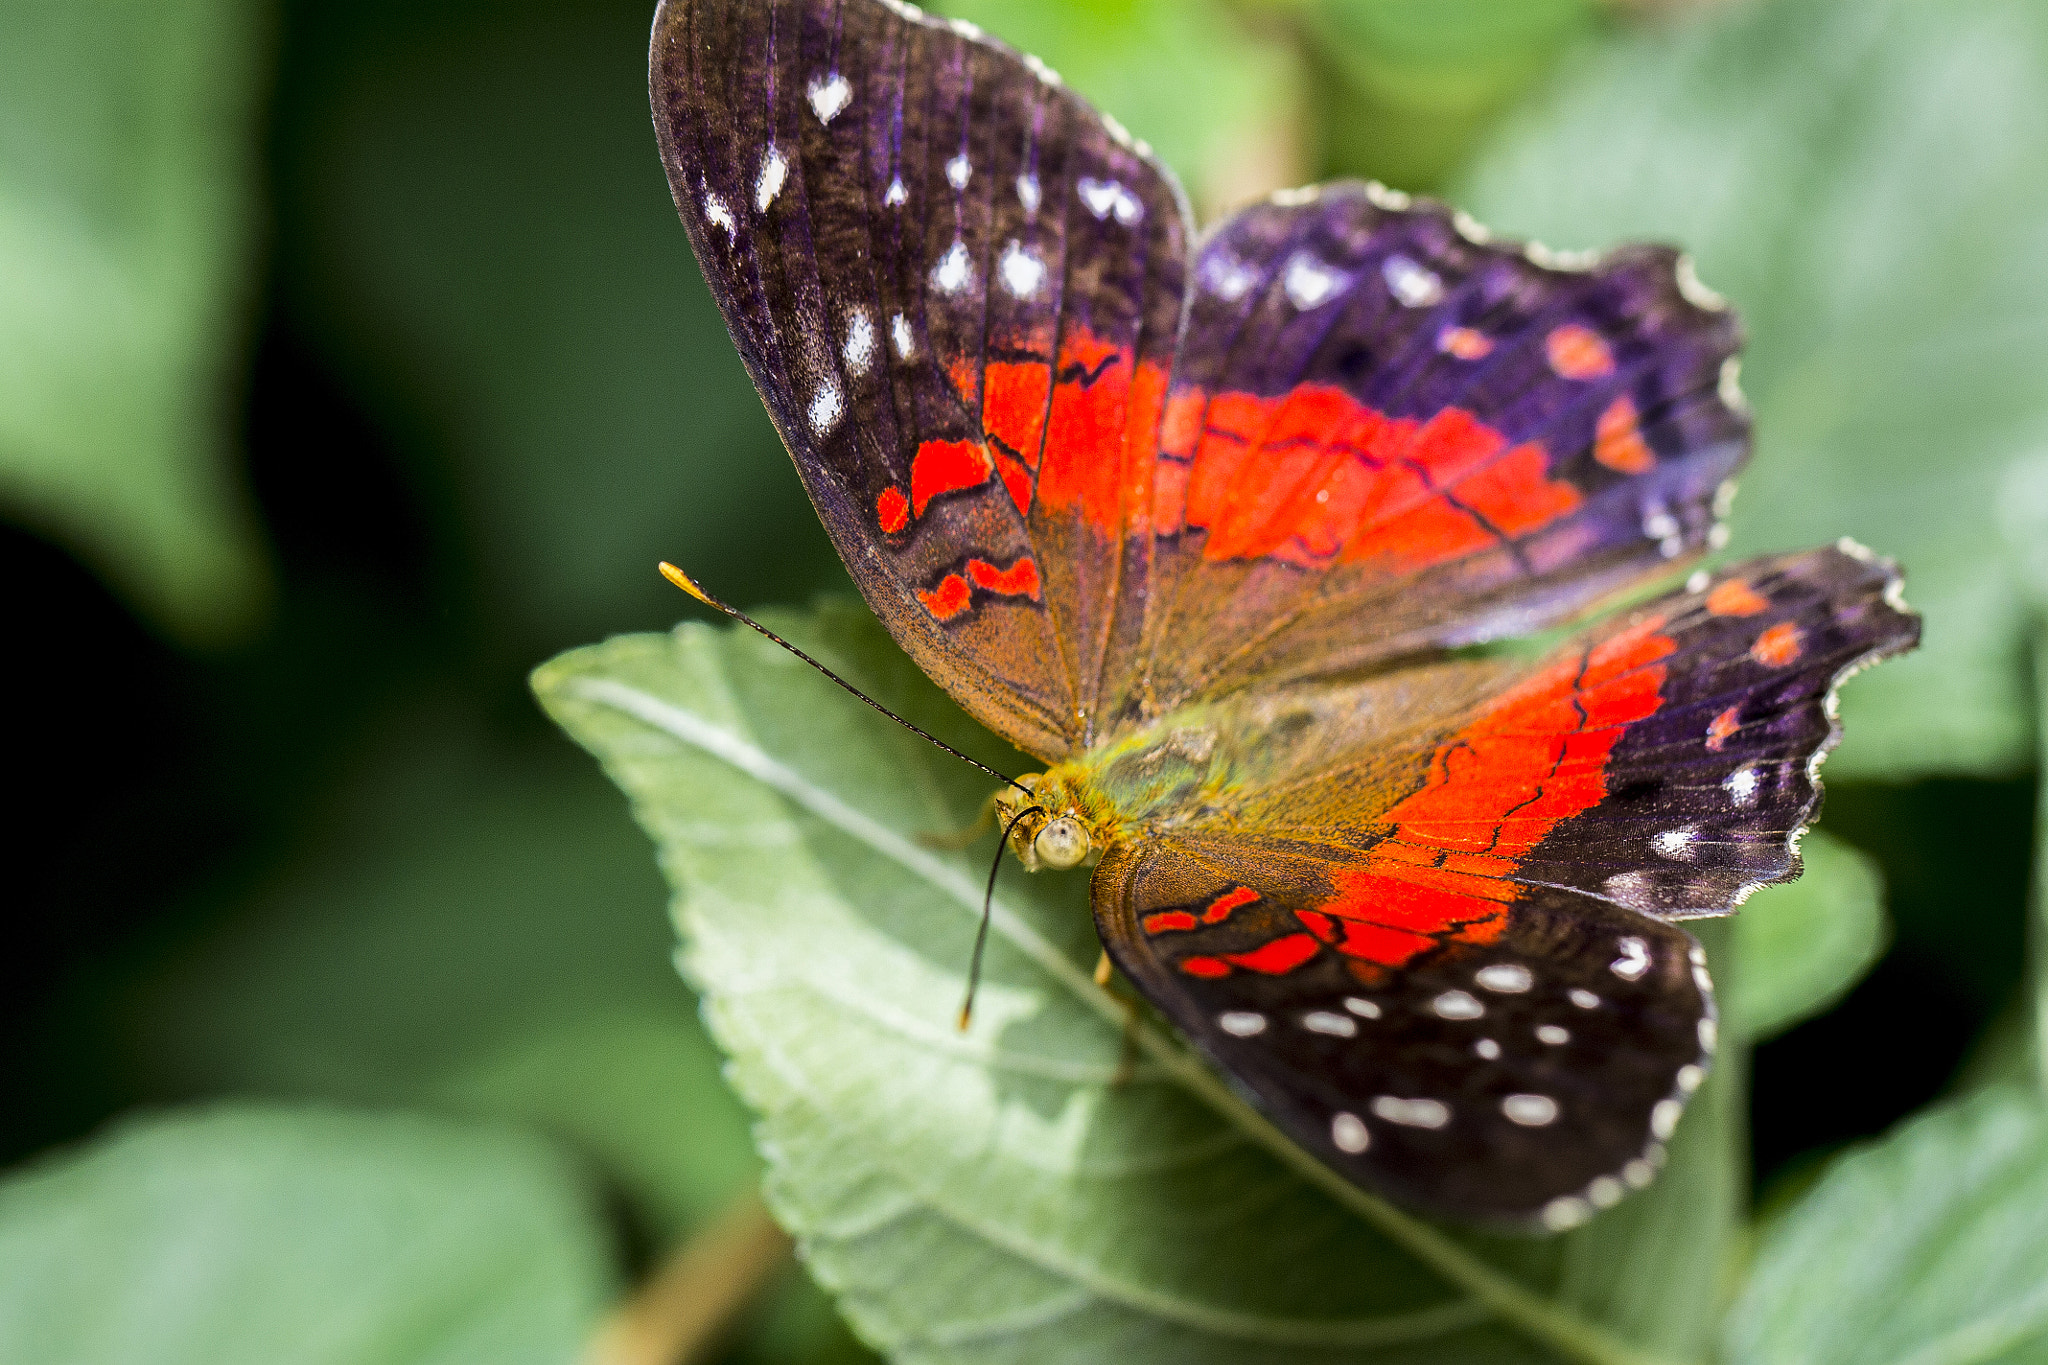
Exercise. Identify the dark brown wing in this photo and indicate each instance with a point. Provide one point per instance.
(957, 288)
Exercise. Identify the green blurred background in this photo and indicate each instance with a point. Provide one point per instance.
(356, 363)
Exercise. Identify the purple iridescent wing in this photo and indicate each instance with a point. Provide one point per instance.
(957, 288)
(1387, 433)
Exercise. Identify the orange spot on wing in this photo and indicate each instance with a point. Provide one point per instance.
(946, 467)
(1321, 925)
(1168, 921)
(1577, 352)
(1314, 475)
(1778, 646)
(1617, 441)
(964, 376)
(1082, 468)
(1464, 343)
(1734, 597)
(1013, 408)
(1534, 758)
(949, 598)
(1220, 908)
(892, 510)
(1721, 727)
(1278, 955)
(1019, 580)
(1207, 967)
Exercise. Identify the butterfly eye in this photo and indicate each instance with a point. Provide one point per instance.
(1061, 844)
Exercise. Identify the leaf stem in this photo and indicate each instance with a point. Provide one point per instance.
(1514, 1304)
(683, 1310)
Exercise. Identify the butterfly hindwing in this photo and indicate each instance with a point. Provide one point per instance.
(957, 288)
(1523, 820)
(1378, 414)
(1525, 1079)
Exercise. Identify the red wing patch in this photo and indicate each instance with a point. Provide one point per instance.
(1315, 476)
(1443, 873)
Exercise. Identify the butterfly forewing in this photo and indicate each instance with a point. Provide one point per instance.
(1379, 415)
(957, 288)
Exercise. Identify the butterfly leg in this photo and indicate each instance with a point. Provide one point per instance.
(956, 839)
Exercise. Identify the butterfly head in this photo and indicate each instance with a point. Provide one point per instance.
(1054, 821)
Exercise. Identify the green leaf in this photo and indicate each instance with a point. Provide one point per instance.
(470, 928)
(127, 216)
(1804, 944)
(1004, 1192)
(1218, 99)
(268, 1234)
(1866, 180)
(1930, 1247)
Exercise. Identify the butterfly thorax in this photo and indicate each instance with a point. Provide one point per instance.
(1209, 767)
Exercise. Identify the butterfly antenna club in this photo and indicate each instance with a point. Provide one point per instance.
(690, 586)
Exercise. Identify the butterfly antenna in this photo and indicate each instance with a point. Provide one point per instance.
(689, 585)
(988, 903)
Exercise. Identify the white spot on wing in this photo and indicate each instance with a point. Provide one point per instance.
(1241, 1023)
(1348, 1132)
(1676, 844)
(895, 194)
(826, 406)
(1553, 1035)
(1509, 978)
(1022, 271)
(899, 333)
(1605, 1192)
(1228, 278)
(774, 170)
(1584, 998)
(829, 95)
(1710, 1034)
(1457, 1005)
(1564, 1214)
(1027, 192)
(1634, 960)
(860, 342)
(1664, 1118)
(1107, 198)
(1412, 1113)
(1310, 283)
(959, 171)
(954, 271)
(1531, 1111)
(1364, 1009)
(716, 212)
(1488, 1049)
(1414, 285)
(1336, 1025)
(1689, 1077)
(1638, 1173)
(1741, 786)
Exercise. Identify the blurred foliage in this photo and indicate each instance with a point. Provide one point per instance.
(249, 1236)
(128, 218)
(480, 388)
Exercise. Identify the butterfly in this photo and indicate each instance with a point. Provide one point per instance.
(1202, 523)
